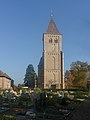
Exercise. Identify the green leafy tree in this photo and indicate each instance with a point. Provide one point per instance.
(30, 76)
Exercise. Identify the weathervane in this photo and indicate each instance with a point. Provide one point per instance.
(51, 14)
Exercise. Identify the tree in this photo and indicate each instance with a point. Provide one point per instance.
(77, 75)
(69, 79)
(30, 76)
(79, 71)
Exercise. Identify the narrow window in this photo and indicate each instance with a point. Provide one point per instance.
(56, 40)
(50, 40)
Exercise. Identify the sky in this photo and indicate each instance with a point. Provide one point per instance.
(22, 24)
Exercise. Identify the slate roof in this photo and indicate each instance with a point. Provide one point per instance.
(41, 61)
(2, 74)
(52, 29)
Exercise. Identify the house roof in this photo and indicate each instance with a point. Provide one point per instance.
(2, 74)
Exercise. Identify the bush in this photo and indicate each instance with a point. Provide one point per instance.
(80, 94)
(7, 117)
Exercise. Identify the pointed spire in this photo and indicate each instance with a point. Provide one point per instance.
(52, 29)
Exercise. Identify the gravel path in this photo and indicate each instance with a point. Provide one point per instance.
(83, 112)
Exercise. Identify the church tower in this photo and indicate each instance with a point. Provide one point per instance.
(51, 65)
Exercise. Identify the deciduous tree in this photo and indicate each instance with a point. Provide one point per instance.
(69, 79)
(79, 71)
(78, 74)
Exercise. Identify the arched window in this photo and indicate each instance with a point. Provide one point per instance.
(53, 62)
(56, 40)
(50, 40)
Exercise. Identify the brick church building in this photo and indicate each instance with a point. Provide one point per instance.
(51, 65)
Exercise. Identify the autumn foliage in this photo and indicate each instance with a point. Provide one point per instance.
(78, 75)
